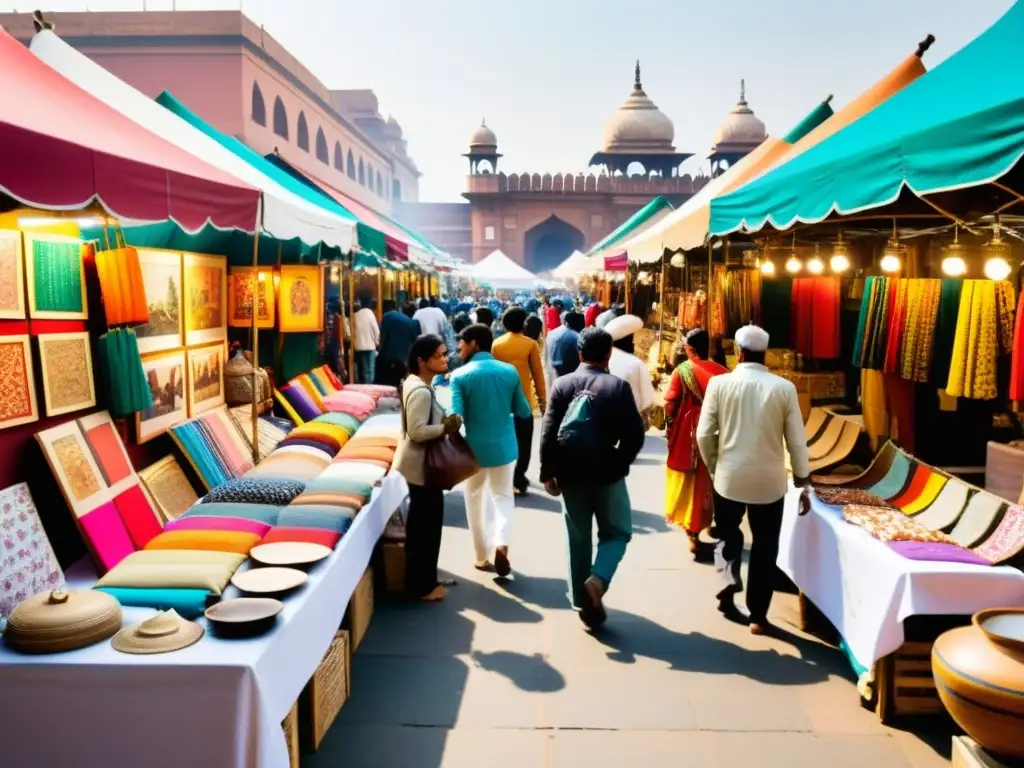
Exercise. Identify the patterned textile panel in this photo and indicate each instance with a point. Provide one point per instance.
(1007, 541)
(919, 475)
(250, 490)
(201, 455)
(895, 479)
(943, 513)
(980, 518)
(233, 446)
(262, 513)
(932, 488)
(887, 524)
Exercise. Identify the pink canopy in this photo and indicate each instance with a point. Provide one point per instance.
(616, 263)
(63, 149)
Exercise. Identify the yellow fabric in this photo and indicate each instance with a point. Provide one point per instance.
(170, 576)
(323, 381)
(930, 492)
(183, 557)
(972, 372)
(872, 397)
(679, 493)
(523, 353)
(218, 541)
(321, 428)
(283, 402)
(307, 384)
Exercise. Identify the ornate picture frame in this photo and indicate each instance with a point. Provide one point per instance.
(66, 362)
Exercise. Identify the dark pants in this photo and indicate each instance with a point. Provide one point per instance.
(524, 438)
(765, 528)
(423, 539)
(389, 372)
(365, 365)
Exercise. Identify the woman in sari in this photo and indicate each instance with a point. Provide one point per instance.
(687, 482)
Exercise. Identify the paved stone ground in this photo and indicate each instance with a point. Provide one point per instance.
(506, 676)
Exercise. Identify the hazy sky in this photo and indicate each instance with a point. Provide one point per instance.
(547, 74)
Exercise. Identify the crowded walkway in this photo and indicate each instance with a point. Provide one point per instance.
(507, 676)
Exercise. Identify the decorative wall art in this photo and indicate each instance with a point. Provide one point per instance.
(161, 278)
(240, 291)
(302, 298)
(169, 488)
(17, 382)
(71, 462)
(108, 450)
(66, 360)
(165, 375)
(28, 565)
(12, 276)
(206, 377)
(205, 299)
(55, 273)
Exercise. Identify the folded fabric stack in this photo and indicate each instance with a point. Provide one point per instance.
(215, 446)
(272, 430)
(318, 392)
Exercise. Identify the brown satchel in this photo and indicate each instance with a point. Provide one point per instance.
(448, 459)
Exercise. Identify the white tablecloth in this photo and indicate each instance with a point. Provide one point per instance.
(216, 704)
(866, 589)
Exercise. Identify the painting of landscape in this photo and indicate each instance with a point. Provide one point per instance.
(161, 277)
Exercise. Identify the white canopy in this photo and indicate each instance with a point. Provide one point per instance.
(577, 264)
(499, 271)
(285, 214)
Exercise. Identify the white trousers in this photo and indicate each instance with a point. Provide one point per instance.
(489, 507)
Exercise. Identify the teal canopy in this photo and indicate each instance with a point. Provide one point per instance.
(959, 125)
(632, 224)
(816, 117)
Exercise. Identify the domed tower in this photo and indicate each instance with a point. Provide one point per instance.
(639, 132)
(739, 134)
(483, 151)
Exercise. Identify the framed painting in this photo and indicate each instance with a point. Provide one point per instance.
(169, 488)
(241, 287)
(161, 278)
(55, 273)
(165, 375)
(17, 382)
(301, 297)
(71, 462)
(29, 565)
(205, 367)
(205, 298)
(66, 361)
(12, 276)
(108, 451)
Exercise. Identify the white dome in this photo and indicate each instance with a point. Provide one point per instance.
(741, 126)
(638, 125)
(483, 137)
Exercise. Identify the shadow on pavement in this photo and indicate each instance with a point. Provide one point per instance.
(528, 673)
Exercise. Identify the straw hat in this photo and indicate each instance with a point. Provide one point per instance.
(162, 633)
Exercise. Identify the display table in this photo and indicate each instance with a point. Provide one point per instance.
(867, 590)
(216, 704)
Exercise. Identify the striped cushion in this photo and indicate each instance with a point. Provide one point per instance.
(263, 513)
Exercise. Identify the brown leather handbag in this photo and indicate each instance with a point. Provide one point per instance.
(448, 459)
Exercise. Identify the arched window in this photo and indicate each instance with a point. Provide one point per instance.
(259, 109)
(302, 133)
(396, 189)
(362, 173)
(339, 157)
(380, 185)
(369, 177)
(280, 118)
(321, 147)
(351, 166)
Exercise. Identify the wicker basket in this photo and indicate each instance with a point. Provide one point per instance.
(360, 610)
(290, 725)
(394, 566)
(238, 381)
(326, 692)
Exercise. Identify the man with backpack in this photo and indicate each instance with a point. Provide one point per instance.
(592, 433)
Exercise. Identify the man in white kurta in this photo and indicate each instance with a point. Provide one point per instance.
(628, 366)
(746, 418)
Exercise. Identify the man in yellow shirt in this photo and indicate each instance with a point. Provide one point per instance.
(523, 353)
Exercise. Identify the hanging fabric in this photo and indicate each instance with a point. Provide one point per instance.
(972, 371)
(945, 330)
(125, 382)
(919, 336)
(124, 294)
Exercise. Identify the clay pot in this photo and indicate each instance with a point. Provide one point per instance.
(979, 674)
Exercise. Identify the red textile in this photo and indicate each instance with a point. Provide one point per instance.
(310, 535)
(65, 149)
(138, 517)
(897, 319)
(815, 317)
(552, 319)
(1017, 367)
(899, 398)
(918, 480)
(682, 408)
(617, 263)
(590, 315)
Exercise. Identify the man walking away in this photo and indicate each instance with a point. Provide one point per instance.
(431, 319)
(487, 395)
(397, 333)
(366, 338)
(592, 433)
(746, 416)
(562, 345)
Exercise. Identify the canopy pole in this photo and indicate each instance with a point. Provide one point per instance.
(279, 358)
(352, 322)
(380, 290)
(628, 303)
(255, 341)
(711, 268)
(661, 307)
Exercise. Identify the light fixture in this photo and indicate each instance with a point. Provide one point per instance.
(997, 251)
(677, 260)
(840, 261)
(893, 254)
(953, 263)
(261, 276)
(793, 264)
(815, 265)
(768, 268)
(84, 222)
(997, 268)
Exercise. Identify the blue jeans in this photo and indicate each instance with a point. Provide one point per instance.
(610, 506)
(366, 363)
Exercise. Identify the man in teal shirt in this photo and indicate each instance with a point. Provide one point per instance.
(486, 394)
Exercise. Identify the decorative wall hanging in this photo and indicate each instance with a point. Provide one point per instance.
(240, 292)
(165, 375)
(161, 279)
(205, 299)
(66, 360)
(205, 367)
(55, 273)
(302, 298)
(12, 276)
(17, 383)
(28, 565)
(71, 462)
(107, 449)
(169, 488)
(121, 374)
(122, 286)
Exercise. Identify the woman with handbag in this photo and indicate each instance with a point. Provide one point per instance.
(424, 423)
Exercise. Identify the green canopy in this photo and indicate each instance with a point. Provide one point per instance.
(816, 117)
(960, 125)
(658, 205)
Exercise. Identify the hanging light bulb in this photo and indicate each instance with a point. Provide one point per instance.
(815, 265)
(840, 261)
(677, 260)
(768, 268)
(997, 251)
(953, 263)
(793, 264)
(893, 254)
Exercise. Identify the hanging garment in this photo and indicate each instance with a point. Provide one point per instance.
(873, 406)
(127, 389)
(945, 330)
(1017, 366)
(815, 317)
(897, 325)
(920, 328)
(1006, 300)
(776, 298)
(124, 294)
(972, 372)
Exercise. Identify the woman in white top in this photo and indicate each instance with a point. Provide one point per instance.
(423, 420)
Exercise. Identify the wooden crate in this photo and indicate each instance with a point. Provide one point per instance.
(290, 725)
(326, 692)
(904, 684)
(360, 610)
(394, 566)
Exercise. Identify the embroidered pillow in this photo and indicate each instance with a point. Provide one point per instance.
(256, 490)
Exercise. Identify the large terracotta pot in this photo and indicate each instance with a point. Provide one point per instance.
(979, 674)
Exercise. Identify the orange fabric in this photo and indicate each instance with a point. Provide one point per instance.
(385, 455)
(124, 295)
(372, 442)
(217, 541)
(915, 488)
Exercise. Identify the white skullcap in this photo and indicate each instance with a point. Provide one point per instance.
(752, 338)
(623, 326)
